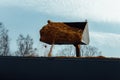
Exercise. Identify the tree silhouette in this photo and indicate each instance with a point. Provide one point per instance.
(85, 50)
(25, 46)
(89, 51)
(4, 41)
(67, 51)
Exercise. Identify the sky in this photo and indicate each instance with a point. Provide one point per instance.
(29, 16)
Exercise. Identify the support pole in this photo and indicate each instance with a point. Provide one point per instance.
(77, 46)
(50, 52)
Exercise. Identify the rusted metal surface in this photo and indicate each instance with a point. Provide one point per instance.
(75, 33)
(62, 33)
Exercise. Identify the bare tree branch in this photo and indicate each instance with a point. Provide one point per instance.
(89, 51)
(4, 41)
(86, 51)
(25, 45)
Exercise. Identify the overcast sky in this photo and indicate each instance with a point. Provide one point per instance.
(29, 16)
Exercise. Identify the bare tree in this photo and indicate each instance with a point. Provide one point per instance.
(4, 41)
(25, 46)
(89, 51)
(85, 50)
(67, 51)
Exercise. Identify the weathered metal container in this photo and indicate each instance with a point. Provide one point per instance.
(65, 33)
(75, 33)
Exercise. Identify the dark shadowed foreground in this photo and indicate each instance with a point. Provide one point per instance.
(42, 68)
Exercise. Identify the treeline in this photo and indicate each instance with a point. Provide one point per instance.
(85, 51)
(24, 44)
(25, 47)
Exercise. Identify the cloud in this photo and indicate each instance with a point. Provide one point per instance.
(105, 39)
(108, 43)
(98, 10)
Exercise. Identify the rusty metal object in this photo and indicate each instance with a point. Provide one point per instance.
(65, 33)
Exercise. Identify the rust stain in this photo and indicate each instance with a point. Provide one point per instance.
(60, 33)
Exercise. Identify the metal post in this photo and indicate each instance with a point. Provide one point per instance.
(50, 52)
(77, 50)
